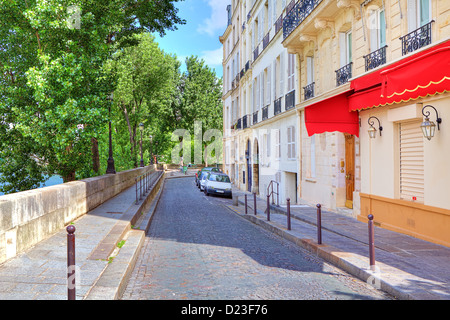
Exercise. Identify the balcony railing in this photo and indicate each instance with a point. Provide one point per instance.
(279, 24)
(256, 53)
(265, 113)
(255, 117)
(299, 12)
(239, 124)
(376, 58)
(277, 106)
(417, 39)
(309, 91)
(289, 100)
(266, 40)
(245, 123)
(247, 66)
(343, 74)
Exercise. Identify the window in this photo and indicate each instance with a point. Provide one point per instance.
(345, 47)
(291, 72)
(419, 13)
(277, 144)
(377, 26)
(291, 143)
(309, 70)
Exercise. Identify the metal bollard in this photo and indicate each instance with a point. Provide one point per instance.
(254, 202)
(245, 198)
(319, 224)
(288, 213)
(371, 243)
(71, 262)
(268, 207)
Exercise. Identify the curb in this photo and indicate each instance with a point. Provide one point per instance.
(113, 281)
(340, 259)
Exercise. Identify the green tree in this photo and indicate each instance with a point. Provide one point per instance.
(53, 87)
(144, 76)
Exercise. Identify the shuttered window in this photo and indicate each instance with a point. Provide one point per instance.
(411, 162)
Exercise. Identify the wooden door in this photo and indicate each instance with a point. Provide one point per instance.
(349, 169)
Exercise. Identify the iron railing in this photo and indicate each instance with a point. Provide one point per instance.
(245, 121)
(256, 53)
(266, 40)
(144, 183)
(295, 17)
(416, 39)
(265, 113)
(289, 102)
(277, 106)
(255, 117)
(271, 192)
(375, 59)
(343, 74)
(309, 91)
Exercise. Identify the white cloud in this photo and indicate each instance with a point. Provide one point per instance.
(213, 57)
(218, 20)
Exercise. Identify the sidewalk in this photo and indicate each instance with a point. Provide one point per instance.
(406, 267)
(40, 273)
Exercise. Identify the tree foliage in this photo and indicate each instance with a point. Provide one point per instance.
(53, 86)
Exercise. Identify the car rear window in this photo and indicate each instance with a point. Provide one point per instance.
(219, 178)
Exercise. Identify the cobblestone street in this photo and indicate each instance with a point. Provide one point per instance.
(198, 249)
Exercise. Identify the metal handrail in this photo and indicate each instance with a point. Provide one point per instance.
(272, 192)
(144, 182)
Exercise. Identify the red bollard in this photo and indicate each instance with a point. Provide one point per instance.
(371, 243)
(245, 197)
(319, 224)
(71, 262)
(288, 213)
(268, 207)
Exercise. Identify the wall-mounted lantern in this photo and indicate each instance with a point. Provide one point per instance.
(372, 130)
(429, 127)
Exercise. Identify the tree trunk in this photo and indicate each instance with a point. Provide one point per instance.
(95, 155)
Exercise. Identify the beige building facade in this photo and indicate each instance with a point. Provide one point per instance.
(380, 67)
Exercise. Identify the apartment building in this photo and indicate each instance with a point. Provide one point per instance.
(261, 152)
(374, 79)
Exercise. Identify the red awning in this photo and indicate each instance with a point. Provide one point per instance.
(330, 115)
(423, 74)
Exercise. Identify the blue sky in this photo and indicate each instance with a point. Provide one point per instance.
(206, 21)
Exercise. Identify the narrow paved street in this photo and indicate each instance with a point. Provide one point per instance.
(198, 249)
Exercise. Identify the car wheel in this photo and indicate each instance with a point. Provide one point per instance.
(206, 193)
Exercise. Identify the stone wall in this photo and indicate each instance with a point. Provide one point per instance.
(29, 217)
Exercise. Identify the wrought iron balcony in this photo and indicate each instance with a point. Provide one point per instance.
(416, 39)
(279, 24)
(376, 58)
(277, 106)
(289, 102)
(247, 66)
(245, 122)
(343, 74)
(265, 113)
(309, 91)
(256, 53)
(239, 124)
(299, 12)
(255, 117)
(266, 40)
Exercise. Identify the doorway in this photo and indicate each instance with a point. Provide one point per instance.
(249, 166)
(349, 169)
